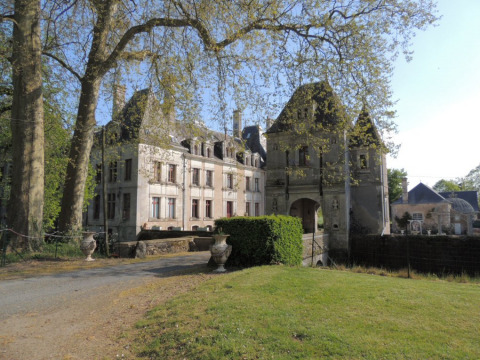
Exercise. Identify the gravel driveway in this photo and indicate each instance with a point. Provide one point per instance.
(81, 314)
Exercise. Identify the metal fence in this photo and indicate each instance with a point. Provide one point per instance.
(426, 254)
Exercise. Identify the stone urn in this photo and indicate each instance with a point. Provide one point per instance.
(220, 251)
(88, 245)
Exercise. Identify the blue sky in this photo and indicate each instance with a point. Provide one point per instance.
(438, 92)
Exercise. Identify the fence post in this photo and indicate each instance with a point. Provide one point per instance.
(313, 245)
(4, 248)
(408, 256)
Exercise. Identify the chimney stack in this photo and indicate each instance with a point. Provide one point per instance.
(404, 190)
(269, 122)
(118, 99)
(237, 123)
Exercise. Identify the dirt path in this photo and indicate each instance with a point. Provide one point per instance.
(93, 326)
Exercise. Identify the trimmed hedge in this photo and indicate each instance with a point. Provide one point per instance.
(263, 240)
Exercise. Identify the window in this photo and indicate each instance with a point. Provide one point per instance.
(247, 183)
(229, 209)
(195, 208)
(96, 207)
(196, 177)
(195, 228)
(98, 176)
(208, 208)
(128, 169)
(363, 163)
(256, 162)
(112, 171)
(247, 208)
(171, 208)
(126, 206)
(208, 152)
(257, 209)
(209, 178)
(195, 150)
(230, 181)
(303, 156)
(417, 216)
(257, 184)
(157, 171)
(155, 207)
(172, 173)
(111, 206)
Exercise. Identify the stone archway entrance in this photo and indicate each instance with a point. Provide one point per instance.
(306, 209)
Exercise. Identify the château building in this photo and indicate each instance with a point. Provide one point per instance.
(320, 165)
(168, 175)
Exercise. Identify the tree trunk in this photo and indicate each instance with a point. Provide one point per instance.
(74, 191)
(25, 208)
(70, 218)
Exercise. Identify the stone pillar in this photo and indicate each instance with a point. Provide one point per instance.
(404, 190)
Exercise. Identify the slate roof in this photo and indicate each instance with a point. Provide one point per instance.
(462, 201)
(328, 113)
(469, 196)
(140, 105)
(365, 132)
(253, 141)
(422, 194)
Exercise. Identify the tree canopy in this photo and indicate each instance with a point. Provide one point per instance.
(395, 177)
(445, 186)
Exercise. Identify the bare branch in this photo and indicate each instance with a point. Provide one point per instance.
(63, 64)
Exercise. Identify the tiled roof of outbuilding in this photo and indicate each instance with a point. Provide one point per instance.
(422, 194)
(469, 196)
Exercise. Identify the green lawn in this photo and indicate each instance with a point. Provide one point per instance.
(277, 312)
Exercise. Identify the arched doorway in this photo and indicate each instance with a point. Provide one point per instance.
(306, 209)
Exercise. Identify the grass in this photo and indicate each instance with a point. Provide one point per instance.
(278, 312)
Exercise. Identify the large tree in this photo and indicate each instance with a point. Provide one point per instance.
(25, 207)
(248, 51)
(446, 185)
(395, 189)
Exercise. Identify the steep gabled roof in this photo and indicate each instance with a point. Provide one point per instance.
(328, 113)
(422, 194)
(365, 132)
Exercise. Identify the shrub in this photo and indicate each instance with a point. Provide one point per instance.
(263, 240)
